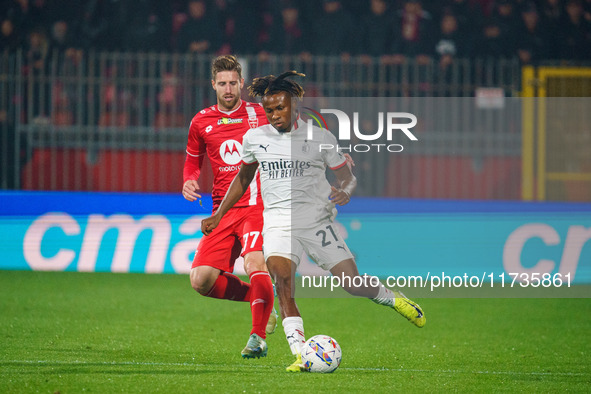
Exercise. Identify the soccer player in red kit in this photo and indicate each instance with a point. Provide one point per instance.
(217, 132)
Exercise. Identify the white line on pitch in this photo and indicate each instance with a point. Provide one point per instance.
(156, 364)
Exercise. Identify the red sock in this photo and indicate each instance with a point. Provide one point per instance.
(261, 304)
(230, 287)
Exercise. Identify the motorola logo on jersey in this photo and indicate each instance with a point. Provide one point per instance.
(231, 152)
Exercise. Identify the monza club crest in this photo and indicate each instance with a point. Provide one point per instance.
(253, 122)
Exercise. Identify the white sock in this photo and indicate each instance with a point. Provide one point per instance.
(384, 297)
(294, 333)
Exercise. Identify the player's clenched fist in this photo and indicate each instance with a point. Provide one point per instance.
(190, 189)
(207, 225)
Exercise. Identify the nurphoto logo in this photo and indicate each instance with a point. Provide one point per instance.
(391, 122)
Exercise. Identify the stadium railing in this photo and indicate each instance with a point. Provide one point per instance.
(118, 121)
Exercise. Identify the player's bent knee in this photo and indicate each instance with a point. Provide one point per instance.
(255, 266)
(254, 262)
(200, 288)
(200, 284)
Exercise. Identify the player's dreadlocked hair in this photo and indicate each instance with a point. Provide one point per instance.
(271, 84)
(225, 63)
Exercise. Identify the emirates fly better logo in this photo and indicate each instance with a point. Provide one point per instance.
(231, 152)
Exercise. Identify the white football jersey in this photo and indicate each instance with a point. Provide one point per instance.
(292, 167)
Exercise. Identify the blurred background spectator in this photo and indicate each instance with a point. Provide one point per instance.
(201, 32)
(9, 38)
(469, 16)
(242, 21)
(532, 44)
(60, 39)
(148, 25)
(500, 30)
(450, 42)
(413, 31)
(531, 30)
(288, 34)
(333, 30)
(576, 33)
(376, 32)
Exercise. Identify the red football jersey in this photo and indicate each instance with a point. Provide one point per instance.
(219, 135)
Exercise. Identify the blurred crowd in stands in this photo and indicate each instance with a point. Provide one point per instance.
(389, 29)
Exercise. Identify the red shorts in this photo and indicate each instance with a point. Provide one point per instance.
(239, 230)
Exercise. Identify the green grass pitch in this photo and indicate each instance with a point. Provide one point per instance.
(79, 332)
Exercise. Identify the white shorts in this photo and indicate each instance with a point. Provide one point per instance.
(323, 244)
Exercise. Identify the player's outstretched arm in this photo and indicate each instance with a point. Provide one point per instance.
(237, 188)
(347, 183)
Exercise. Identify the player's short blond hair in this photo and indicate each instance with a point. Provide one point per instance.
(225, 63)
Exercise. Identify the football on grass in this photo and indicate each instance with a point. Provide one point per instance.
(322, 354)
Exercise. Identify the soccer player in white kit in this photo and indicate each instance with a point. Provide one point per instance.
(300, 204)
